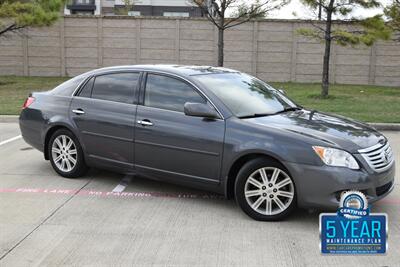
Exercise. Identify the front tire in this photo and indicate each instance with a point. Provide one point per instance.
(66, 154)
(264, 190)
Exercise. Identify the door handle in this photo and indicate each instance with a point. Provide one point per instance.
(145, 122)
(78, 111)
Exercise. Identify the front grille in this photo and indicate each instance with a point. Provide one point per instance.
(379, 157)
(383, 189)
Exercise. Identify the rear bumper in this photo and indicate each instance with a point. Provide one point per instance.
(31, 130)
(321, 186)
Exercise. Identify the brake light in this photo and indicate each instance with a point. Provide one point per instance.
(28, 102)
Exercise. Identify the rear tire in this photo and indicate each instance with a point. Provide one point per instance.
(66, 154)
(264, 190)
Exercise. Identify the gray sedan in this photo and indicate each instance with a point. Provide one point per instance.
(215, 129)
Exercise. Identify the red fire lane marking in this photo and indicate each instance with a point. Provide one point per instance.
(108, 193)
(386, 201)
(392, 201)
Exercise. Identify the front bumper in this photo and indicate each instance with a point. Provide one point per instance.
(321, 186)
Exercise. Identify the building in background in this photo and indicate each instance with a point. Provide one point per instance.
(83, 7)
(168, 8)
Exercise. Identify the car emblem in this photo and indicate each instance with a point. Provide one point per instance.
(386, 157)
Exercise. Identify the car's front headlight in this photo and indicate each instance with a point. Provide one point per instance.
(336, 157)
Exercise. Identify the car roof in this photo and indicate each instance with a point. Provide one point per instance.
(183, 70)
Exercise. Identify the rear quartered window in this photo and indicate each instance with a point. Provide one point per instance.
(117, 87)
(86, 90)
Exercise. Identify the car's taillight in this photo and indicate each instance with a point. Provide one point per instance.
(28, 102)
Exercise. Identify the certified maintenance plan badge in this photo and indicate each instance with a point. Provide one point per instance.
(353, 230)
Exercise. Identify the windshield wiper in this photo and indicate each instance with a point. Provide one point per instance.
(287, 109)
(255, 115)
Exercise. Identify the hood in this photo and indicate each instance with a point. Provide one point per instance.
(334, 130)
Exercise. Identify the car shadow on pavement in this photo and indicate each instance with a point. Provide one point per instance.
(105, 180)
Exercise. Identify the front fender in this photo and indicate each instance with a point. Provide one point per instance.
(243, 138)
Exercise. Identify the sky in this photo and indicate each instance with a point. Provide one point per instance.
(302, 13)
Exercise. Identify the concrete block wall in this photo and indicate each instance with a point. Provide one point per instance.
(269, 49)
(12, 55)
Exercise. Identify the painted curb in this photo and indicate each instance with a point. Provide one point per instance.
(378, 126)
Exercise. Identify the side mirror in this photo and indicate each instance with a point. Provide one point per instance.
(200, 110)
(282, 91)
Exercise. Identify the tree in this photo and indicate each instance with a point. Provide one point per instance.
(356, 31)
(392, 12)
(216, 12)
(18, 14)
(128, 6)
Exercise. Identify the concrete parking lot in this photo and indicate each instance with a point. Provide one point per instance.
(47, 220)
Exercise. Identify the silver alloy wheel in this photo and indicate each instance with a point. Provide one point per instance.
(269, 191)
(64, 153)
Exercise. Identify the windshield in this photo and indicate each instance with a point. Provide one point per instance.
(244, 95)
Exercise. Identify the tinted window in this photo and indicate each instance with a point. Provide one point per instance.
(86, 91)
(245, 95)
(117, 87)
(169, 93)
(68, 87)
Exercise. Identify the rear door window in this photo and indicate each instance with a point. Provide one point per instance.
(117, 87)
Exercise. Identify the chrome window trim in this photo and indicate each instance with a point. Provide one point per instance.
(175, 111)
(150, 71)
(104, 72)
